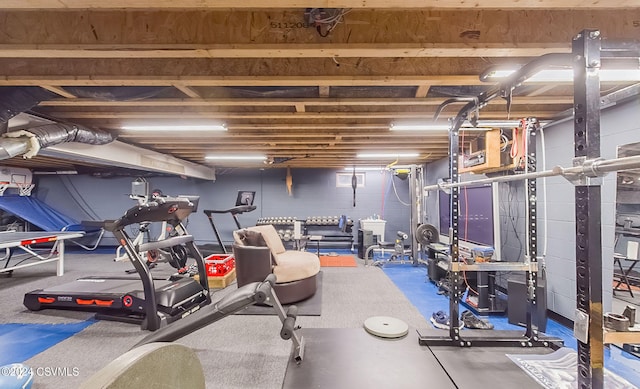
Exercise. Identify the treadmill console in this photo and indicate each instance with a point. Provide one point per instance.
(170, 209)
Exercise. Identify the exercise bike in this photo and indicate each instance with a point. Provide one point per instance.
(144, 228)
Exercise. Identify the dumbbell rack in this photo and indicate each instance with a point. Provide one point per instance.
(325, 226)
(283, 224)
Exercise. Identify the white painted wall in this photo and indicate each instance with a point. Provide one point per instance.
(619, 125)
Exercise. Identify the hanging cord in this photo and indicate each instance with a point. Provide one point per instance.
(517, 143)
(504, 141)
(393, 184)
(78, 198)
(330, 22)
(466, 281)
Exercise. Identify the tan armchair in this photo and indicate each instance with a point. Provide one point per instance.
(259, 251)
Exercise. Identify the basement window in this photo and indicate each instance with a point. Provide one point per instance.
(343, 180)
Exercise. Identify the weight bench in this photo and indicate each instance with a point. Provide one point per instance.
(249, 294)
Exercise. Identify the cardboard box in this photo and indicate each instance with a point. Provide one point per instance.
(220, 282)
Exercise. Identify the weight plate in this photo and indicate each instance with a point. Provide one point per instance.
(386, 327)
(427, 234)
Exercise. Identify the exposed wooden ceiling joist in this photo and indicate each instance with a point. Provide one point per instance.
(268, 31)
(374, 50)
(282, 115)
(308, 99)
(204, 81)
(257, 4)
(266, 102)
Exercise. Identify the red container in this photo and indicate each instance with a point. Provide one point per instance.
(218, 265)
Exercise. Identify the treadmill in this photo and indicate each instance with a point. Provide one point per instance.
(244, 203)
(141, 299)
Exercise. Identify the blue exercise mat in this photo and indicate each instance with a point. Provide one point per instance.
(413, 282)
(19, 342)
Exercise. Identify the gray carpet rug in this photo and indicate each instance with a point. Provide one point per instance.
(240, 351)
(309, 307)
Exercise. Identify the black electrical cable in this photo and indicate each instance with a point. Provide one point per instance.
(86, 208)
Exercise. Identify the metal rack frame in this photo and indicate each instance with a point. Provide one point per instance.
(587, 51)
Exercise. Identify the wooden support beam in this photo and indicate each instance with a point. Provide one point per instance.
(157, 29)
(318, 50)
(422, 91)
(257, 4)
(59, 91)
(284, 102)
(282, 115)
(188, 91)
(324, 81)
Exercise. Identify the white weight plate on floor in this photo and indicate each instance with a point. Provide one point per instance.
(386, 327)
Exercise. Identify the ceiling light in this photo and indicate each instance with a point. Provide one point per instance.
(481, 125)
(365, 168)
(236, 157)
(57, 172)
(563, 75)
(419, 126)
(495, 123)
(388, 155)
(178, 128)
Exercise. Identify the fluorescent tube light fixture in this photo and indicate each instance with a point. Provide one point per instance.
(492, 123)
(236, 157)
(419, 126)
(481, 125)
(177, 128)
(365, 168)
(388, 155)
(563, 75)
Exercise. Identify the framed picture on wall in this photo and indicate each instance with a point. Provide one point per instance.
(343, 180)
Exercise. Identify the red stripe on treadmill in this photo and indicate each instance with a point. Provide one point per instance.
(46, 300)
(85, 302)
(104, 303)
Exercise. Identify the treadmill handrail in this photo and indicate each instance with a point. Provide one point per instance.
(169, 242)
(170, 209)
(234, 211)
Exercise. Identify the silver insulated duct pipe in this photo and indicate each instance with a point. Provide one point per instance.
(28, 142)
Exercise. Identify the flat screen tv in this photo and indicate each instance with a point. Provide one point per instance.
(476, 217)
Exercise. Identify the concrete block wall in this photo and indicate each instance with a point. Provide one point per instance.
(620, 125)
(314, 193)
